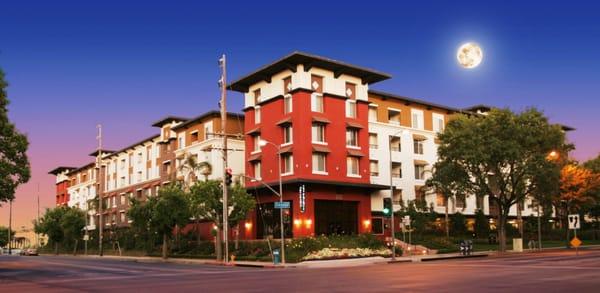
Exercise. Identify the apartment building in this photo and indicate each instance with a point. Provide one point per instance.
(138, 170)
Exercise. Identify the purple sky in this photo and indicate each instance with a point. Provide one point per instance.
(72, 65)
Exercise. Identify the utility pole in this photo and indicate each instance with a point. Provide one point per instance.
(10, 228)
(223, 103)
(98, 166)
(37, 236)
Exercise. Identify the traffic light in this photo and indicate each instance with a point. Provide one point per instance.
(387, 206)
(228, 176)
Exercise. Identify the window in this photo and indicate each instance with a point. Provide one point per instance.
(316, 103)
(460, 202)
(287, 85)
(397, 196)
(257, 114)
(319, 162)
(377, 226)
(287, 134)
(440, 200)
(256, 166)
(122, 163)
(256, 97)
(288, 163)
(256, 141)
(396, 170)
(395, 145)
(394, 116)
(417, 119)
(287, 104)
(372, 114)
(139, 176)
(318, 133)
(352, 137)
(373, 141)
(352, 166)
(351, 91)
(167, 168)
(139, 156)
(374, 167)
(419, 172)
(207, 131)
(122, 217)
(351, 108)
(123, 199)
(418, 146)
(194, 136)
(123, 181)
(438, 122)
(180, 143)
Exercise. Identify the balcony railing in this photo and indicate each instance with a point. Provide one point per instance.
(395, 148)
(373, 146)
(396, 174)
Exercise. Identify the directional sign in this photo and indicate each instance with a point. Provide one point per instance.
(575, 242)
(574, 222)
(282, 204)
(302, 197)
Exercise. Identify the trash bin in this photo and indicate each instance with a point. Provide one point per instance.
(518, 244)
(276, 256)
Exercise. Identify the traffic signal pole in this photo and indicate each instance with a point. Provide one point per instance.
(223, 83)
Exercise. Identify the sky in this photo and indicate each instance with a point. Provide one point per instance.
(125, 64)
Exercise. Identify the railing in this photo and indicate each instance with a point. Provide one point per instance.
(373, 146)
(395, 148)
(396, 174)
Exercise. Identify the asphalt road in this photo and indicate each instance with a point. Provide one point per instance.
(559, 271)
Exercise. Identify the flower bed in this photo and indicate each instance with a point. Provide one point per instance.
(341, 253)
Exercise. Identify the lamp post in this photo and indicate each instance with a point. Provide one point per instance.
(392, 193)
(263, 143)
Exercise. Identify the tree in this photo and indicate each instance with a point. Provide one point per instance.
(206, 204)
(578, 191)
(139, 213)
(501, 155)
(459, 224)
(4, 235)
(482, 225)
(593, 164)
(445, 183)
(61, 224)
(190, 166)
(161, 214)
(14, 164)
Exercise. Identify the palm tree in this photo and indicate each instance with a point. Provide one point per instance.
(190, 166)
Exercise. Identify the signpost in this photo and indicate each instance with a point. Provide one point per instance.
(575, 224)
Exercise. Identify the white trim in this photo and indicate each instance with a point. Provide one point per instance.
(394, 109)
(286, 144)
(320, 172)
(353, 176)
(353, 147)
(321, 143)
(287, 174)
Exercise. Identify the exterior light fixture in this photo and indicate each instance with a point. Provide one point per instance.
(297, 222)
(367, 223)
(248, 225)
(308, 223)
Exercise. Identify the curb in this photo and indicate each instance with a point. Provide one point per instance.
(453, 257)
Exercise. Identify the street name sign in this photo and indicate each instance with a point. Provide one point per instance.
(574, 222)
(282, 204)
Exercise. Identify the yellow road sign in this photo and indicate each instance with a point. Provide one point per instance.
(575, 242)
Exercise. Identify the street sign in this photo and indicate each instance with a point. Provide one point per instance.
(575, 242)
(282, 204)
(574, 222)
(406, 220)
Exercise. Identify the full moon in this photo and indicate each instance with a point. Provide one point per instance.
(469, 55)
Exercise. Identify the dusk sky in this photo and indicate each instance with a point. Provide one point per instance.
(72, 65)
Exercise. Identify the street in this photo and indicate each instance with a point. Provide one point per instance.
(556, 271)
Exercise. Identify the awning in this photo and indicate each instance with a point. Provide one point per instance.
(284, 121)
(354, 124)
(254, 157)
(419, 137)
(254, 131)
(320, 149)
(320, 119)
(286, 149)
(421, 163)
(355, 153)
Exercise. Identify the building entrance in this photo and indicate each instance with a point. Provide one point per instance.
(336, 217)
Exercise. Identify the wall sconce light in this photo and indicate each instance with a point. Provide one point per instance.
(297, 222)
(367, 223)
(308, 223)
(248, 225)
(214, 227)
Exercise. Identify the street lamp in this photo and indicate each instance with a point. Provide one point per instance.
(263, 143)
(392, 192)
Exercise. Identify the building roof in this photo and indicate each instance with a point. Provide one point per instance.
(104, 151)
(480, 107)
(60, 169)
(292, 60)
(168, 119)
(213, 113)
(133, 145)
(413, 100)
(82, 167)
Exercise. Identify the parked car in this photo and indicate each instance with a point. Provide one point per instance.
(29, 251)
